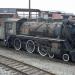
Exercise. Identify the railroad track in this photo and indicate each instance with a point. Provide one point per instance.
(22, 52)
(4, 70)
(21, 68)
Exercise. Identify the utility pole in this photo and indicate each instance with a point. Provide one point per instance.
(29, 9)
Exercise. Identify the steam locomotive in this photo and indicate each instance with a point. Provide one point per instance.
(53, 38)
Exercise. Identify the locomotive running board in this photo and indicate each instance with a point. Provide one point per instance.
(41, 38)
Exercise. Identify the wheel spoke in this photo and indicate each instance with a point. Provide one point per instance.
(17, 44)
(30, 46)
(51, 55)
(42, 50)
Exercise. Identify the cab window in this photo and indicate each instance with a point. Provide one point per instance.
(9, 25)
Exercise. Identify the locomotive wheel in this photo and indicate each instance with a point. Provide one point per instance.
(17, 44)
(66, 57)
(30, 46)
(51, 55)
(42, 51)
(6, 44)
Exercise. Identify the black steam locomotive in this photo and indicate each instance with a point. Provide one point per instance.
(55, 38)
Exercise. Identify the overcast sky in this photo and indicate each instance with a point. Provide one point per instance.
(59, 5)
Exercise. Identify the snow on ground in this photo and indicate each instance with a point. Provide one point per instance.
(57, 68)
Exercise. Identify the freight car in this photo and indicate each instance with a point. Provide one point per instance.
(46, 38)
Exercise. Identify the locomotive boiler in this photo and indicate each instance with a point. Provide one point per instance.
(53, 38)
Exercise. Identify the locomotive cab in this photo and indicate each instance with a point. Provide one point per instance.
(10, 26)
